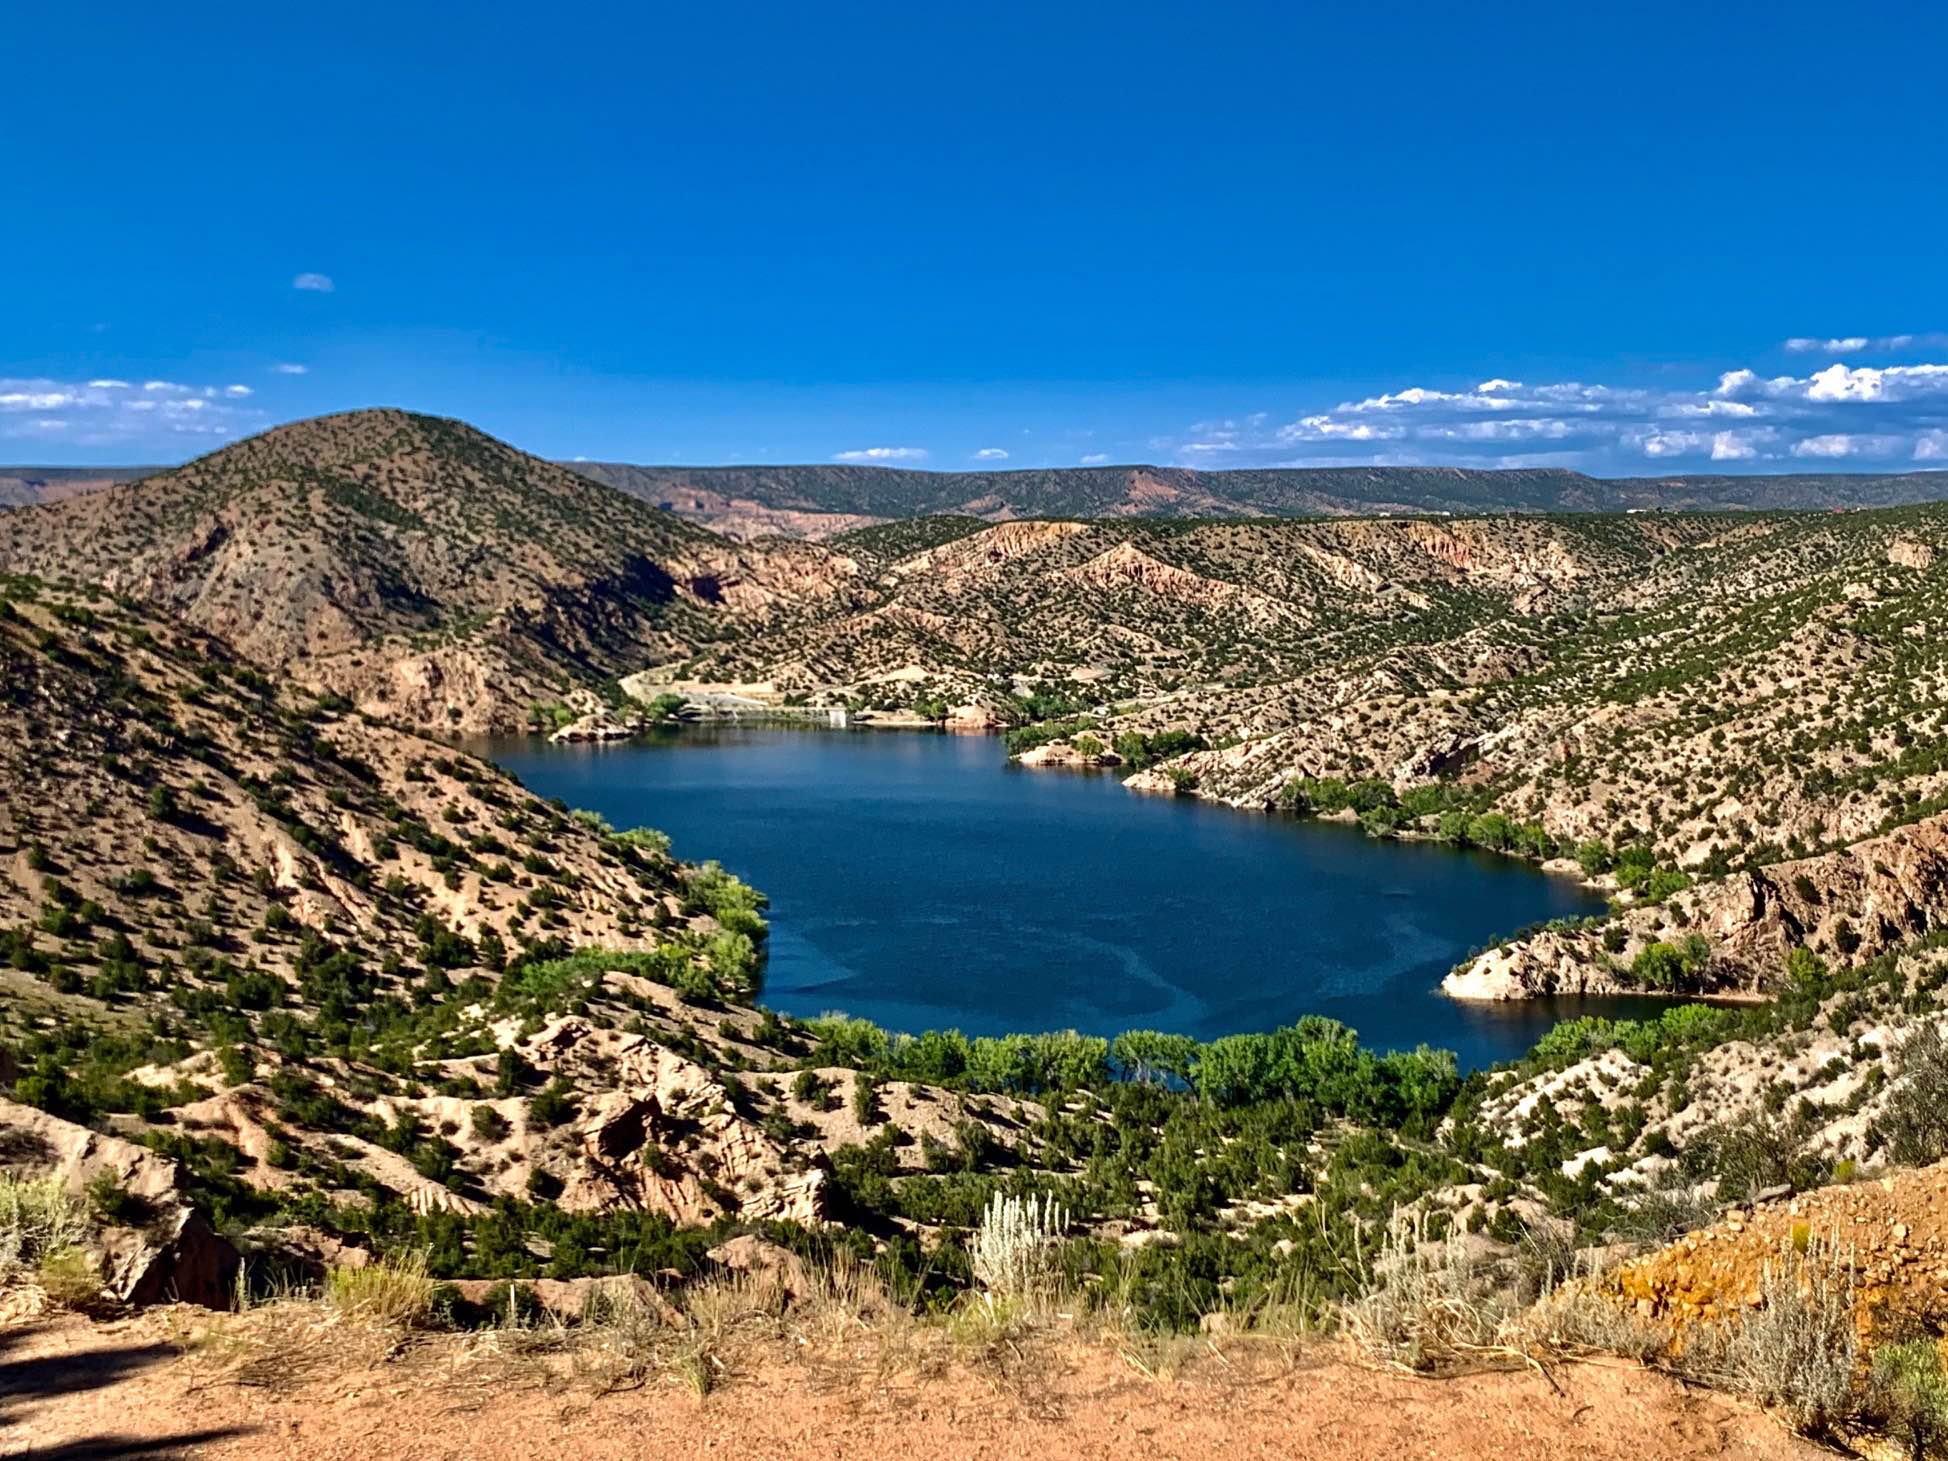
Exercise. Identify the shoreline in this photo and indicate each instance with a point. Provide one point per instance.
(1465, 983)
(1444, 1033)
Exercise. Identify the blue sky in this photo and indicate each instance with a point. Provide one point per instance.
(1230, 235)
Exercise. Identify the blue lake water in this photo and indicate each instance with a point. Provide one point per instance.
(922, 881)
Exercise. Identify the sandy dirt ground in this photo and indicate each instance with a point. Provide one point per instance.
(75, 1390)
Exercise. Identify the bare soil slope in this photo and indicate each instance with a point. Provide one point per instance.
(74, 1389)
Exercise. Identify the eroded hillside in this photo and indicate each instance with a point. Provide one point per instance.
(293, 983)
(255, 917)
(1667, 699)
(416, 566)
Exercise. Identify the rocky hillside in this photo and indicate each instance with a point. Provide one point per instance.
(1669, 698)
(26, 486)
(319, 966)
(1194, 611)
(415, 566)
(291, 990)
(1727, 700)
(819, 501)
(1709, 1105)
(336, 991)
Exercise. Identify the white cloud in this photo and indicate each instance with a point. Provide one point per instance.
(35, 400)
(1854, 344)
(1673, 443)
(237, 393)
(1095, 459)
(1868, 383)
(882, 454)
(1715, 406)
(1844, 345)
(1735, 416)
(289, 368)
(1412, 396)
(316, 283)
(1834, 444)
(1839, 383)
(1736, 383)
(1931, 446)
(1323, 427)
(107, 412)
(1521, 428)
(990, 454)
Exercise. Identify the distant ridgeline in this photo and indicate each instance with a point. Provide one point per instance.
(793, 498)
(814, 500)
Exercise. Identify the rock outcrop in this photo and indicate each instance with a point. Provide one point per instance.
(165, 1250)
(1906, 553)
(1847, 906)
(597, 725)
(186, 1261)
(665, 1136)
(974, 717)
(767, 1263)
(1066, 753)
(1549, 963)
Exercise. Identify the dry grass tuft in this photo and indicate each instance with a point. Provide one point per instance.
(1797, 1353)
(393, 1291)
(1574, 1321)
(41, 1228)
(1429, 1303)
(69, 1279)
(37, 1219)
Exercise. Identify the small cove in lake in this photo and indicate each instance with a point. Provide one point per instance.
(923, 881)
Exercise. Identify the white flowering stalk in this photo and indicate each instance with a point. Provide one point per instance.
(1017, 1245)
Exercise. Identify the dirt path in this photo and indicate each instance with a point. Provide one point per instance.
(71, 1389)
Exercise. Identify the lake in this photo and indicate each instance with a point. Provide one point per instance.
(923, 881)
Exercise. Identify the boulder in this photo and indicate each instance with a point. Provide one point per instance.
(1062, 753)
(770, 1264)
(171, 1254)
(598, 725)
(186, 1262)
(666, 1137)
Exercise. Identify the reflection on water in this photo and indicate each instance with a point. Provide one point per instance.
(922, 881)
